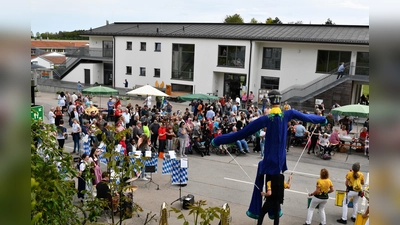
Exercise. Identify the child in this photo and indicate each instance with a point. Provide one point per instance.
(366, 147)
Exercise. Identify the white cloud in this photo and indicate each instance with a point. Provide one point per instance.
(353, 5)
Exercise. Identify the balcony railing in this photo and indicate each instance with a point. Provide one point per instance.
(89, 52)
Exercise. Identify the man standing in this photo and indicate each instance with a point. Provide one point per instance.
(127, 117)
(162, 138)
(126, 85)
(210, 113)
(154, 127)
(237, 100)
(79, 87)
(110, 109)
(74, 97)
(340, 71)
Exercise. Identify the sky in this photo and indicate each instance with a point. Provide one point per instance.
(54, 16)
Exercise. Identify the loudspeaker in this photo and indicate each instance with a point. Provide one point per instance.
(150, 169)
(187, 201)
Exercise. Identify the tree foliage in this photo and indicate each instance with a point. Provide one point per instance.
(329, 22)
(273, 21)
(201, 214)
(51, 174)
(253, 20)
(61, 35)
(236, 18)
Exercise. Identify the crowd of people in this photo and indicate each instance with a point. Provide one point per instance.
(160, 128)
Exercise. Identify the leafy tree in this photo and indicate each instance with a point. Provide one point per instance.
(253, 20)
(329, 22)
(121, 168)
(52, 189)
(273, 21)
(236, 18)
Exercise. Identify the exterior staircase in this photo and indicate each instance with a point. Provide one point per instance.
(302, 93)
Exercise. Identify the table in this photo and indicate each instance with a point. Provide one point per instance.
(173, 167)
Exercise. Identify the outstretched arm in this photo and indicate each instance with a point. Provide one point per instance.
(245, 132)
(315, 119)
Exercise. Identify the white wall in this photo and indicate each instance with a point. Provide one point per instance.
(42, 62)
(205, 62)
(298, 62)
(78, 74)
(97, 41)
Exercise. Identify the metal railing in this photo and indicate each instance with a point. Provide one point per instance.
(321, 83)
(89, 52)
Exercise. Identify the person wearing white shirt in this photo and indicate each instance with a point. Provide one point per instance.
(127, 117)
(76, 131)
(238, 101)
(52, 116)
(147, 101)
(74, 97)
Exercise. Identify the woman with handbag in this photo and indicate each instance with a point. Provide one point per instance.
(320, 196)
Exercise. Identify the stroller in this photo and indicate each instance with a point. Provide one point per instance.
(198, 147)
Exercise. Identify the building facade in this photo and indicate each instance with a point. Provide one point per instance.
(227, 59)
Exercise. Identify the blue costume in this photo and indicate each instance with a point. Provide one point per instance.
(274, 161)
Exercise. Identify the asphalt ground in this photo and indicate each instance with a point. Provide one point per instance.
(220, 179)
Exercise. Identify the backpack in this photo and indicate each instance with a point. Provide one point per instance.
(357, 187)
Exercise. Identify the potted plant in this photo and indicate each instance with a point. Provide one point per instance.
(96, 83)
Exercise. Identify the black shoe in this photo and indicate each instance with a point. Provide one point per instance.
(308, 152)
(306, 224)
(342, 221)
(353, 219)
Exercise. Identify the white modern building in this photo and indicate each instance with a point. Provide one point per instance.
(227, 59)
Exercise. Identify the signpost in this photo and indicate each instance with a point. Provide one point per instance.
(37, 112)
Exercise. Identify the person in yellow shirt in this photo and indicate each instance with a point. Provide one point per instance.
(273, 196)
(354, 182)
(320, 196)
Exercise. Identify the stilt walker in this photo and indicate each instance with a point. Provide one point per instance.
(273, 164)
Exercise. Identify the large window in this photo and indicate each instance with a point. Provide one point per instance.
(107, 48)
(362, 63)
(182, 61)
(272, 58)
(269, 83)
(232, 56)
(329, 61)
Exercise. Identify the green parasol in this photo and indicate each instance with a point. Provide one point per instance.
(100, 90)
(352, 110)
(190, 97)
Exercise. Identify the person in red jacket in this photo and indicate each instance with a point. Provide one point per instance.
(162, 138)
(123, 144)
